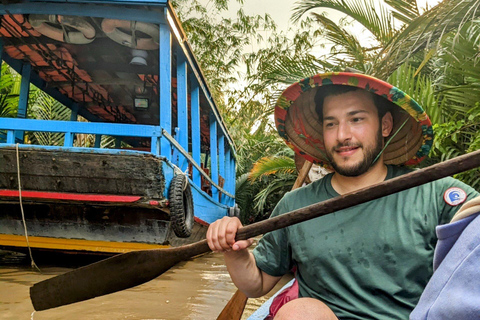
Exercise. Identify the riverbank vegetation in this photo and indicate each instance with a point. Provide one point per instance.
(432, 54)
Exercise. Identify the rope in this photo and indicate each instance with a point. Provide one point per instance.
(21, 209)
(178, 171)
(389, 140)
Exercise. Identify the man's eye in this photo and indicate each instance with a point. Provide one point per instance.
(357, 119)
(329, 125)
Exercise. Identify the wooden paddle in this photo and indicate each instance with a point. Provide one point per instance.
(133, 268)
(235, 306)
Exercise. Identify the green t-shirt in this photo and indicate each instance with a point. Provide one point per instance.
(371, 261)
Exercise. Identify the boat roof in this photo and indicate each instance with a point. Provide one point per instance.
(99, 78)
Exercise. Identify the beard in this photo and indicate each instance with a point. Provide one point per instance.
(369, 155)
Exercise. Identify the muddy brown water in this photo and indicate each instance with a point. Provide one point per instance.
(196, 289)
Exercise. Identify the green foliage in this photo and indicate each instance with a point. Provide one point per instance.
(455, 138)
(373, 16)
(44, 107)
(432, 56)
(277, 175)
(219, 43)
(267, 166)
(8, 99)
(420, 87)
(259, 190)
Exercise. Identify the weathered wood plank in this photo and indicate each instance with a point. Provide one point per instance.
(47, 170)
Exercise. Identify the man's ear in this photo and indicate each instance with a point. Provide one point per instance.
(387, 124)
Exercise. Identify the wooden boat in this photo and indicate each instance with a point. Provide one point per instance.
(125, 67)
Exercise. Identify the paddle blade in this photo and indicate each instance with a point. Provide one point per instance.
(110, 275)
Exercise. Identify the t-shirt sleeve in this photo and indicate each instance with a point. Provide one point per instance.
(273, 253)
(449, 201)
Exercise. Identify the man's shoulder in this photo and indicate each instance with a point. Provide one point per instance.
(316, 191)
(442, 186)
(397, 171)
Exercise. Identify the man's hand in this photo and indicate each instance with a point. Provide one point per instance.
(221, 235)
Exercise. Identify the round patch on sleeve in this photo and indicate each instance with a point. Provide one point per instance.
(455, 196)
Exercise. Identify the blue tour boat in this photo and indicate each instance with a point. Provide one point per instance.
(125, 71)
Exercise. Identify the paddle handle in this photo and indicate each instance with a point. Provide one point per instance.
(385, 188)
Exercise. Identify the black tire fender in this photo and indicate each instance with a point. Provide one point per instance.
(181, 206)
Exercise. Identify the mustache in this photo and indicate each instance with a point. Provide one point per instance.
(347, 145)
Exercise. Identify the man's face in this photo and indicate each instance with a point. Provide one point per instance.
(353, 134)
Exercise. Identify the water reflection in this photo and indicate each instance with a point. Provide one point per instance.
(197, 289)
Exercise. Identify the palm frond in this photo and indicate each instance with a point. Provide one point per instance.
(405, 10)
(375, 18)
(47, 108)
(459, 84)
(278, 186)
(272, 166)
(352, 52)
(424, 32)
(420, 88)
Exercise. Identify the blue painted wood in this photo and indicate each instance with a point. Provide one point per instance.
(175, 151)
(206, 91)
(118, 143)
(75, 149)
(221, 162)
(84, 9)
(24, 91)
(68, 141)
(168, 174)
(228, 176)
(98, 140)
(74, 114)
(23, 99)
(155, 145)
(137, 2)
(182, 108)
(165, 79)
(195, 116)
(233, 177)
(111, 129)
(213, 154)
(205, 207)
(10, 137)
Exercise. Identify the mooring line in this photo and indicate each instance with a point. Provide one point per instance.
(34, 265)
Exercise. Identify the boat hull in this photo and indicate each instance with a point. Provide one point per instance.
(92, 203)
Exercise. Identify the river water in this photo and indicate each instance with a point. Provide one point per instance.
(196, 289)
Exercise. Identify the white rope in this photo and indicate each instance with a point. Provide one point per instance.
(21, 209)
(178, 171)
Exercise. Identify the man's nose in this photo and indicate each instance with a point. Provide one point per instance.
(344, 133)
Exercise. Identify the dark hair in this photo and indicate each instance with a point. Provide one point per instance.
(382, 104)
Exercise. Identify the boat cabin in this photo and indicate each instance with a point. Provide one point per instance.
(117, 143)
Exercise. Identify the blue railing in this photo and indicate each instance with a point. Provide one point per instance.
(70, 128)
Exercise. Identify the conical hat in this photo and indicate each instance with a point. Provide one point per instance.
(298, 123)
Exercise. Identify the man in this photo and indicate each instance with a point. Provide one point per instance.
(370, 261)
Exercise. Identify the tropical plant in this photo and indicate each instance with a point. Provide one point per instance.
(223, 47)
(278, 173)
(219, 42)
(45, 107)
(432, 55)
(259, 190)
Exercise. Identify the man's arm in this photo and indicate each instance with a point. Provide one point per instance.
(240, 262)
